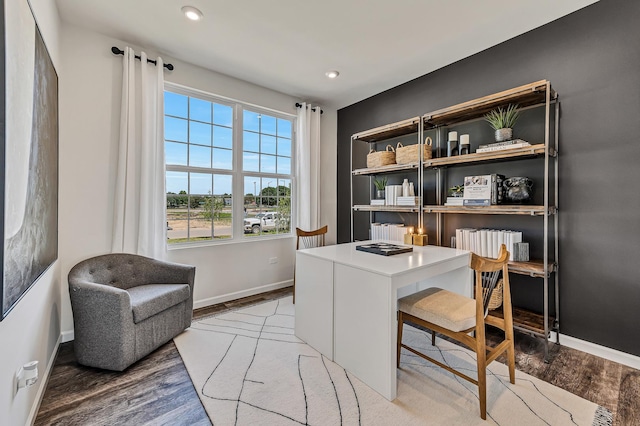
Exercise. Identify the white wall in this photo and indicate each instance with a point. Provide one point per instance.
(31, 331)
(90, 111)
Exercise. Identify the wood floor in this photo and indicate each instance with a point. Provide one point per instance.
(157, 390)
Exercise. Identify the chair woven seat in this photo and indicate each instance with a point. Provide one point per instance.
(449, 310)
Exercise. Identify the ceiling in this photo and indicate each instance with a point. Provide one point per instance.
(288, 45)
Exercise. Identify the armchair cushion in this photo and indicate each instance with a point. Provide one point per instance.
(148, 300)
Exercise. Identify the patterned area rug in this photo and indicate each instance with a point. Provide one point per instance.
(250, 369)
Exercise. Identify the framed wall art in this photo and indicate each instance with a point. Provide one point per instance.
(29, 159)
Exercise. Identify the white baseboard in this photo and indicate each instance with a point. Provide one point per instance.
(67, 336)
(240, 294)
(44, 381)
(614, 355)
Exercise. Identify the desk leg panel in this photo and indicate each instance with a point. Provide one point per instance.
(314, 303)
(365, 327)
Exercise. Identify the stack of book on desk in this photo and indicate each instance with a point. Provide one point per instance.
(500, 146)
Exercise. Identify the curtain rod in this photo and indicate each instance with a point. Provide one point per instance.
(117, 51)
(299, 105)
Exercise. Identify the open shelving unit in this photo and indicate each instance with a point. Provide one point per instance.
(539, 94)
(535, 95)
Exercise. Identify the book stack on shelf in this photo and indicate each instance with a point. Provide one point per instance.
(454, 201)
(391, 194)
(501, 146)
(483, 190)
(487, 242)
(379, 202)
(388, 231)
(407, 201)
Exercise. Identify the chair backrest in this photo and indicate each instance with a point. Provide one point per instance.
(487, 274)
(310, 239)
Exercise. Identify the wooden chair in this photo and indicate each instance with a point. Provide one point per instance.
(454, 315)
(308, 239)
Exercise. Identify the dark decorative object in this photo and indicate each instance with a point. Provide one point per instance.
(518, 189)
(29, 140)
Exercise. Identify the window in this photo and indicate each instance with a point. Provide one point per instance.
(215, 150)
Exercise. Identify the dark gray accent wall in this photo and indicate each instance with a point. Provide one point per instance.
(592, 58)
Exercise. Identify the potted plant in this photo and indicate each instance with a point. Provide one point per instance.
(456, 191)
(502, 121)
(380, 184)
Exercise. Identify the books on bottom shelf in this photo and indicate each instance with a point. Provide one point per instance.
(388, 231)
(487, 242)
(501, 146)
(377, 202)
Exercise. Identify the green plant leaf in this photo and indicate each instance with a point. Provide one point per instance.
(502, 118)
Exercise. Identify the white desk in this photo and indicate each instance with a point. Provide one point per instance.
(346, 302)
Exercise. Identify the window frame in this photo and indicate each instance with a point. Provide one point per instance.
(237, 172)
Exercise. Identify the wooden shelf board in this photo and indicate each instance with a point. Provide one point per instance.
(529, 151)
(534, 268)
(401, 128)
(526, 320)
(526, 95)
(530, 210)
(385, 169)
(369, 208)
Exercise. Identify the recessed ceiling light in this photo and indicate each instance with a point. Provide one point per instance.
(332, 74)
(192, 13)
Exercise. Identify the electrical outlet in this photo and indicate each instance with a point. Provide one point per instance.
(273, 260)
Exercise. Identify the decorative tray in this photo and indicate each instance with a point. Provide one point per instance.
(384, 249)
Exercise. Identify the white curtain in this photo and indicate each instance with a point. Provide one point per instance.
(139, 224)
(308, 168)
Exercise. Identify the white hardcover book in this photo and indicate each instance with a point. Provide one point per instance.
(477, 188)
(484, 251)
(495, 248)
(473, 240)
(459, 238)
(500, 238)
(508, 236)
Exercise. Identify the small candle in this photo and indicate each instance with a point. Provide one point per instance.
(420, 231)
(408, 237)
(420, 240)
(410, 229)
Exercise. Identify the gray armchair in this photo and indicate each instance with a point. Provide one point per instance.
(125, 306)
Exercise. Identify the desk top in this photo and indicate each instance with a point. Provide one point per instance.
(421, 257)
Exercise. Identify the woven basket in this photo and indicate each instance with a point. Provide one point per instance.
(496, 297)
(411, 154)
(382, 158)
